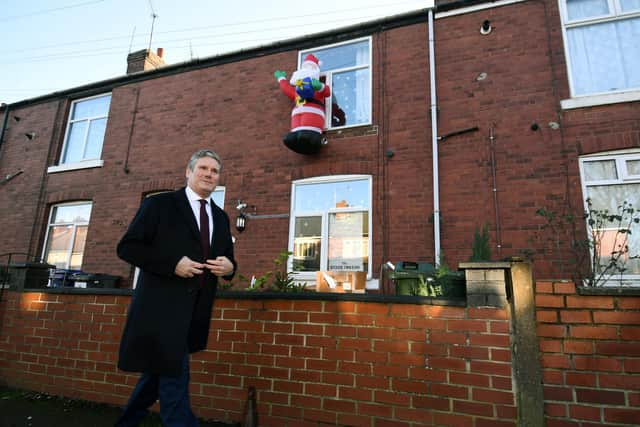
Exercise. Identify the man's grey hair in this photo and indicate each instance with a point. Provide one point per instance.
(203, 153)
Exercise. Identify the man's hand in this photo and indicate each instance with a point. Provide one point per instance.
(187, 267)
(279, 75)
(221, 266)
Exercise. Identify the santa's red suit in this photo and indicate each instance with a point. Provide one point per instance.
(307, 114)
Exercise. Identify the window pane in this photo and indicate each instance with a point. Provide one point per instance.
(78, 248)
(351, 96)
(348, 241)
(74, 150)
(600, 170)
(582, 9)
(633, 167)
(307, 243)
(95, 139)
(95, 107)
(218, 198)
(605, 57)
(331, 195)
(347, 55)
(609, 197)
(58, 245)
(71, 214)
(629, 5)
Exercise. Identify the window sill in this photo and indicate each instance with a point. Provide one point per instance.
(595, 100)
(351, 131)
(87, 164)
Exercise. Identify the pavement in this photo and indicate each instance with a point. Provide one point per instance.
(20, 408)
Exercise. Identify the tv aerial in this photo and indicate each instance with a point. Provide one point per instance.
(154, 15)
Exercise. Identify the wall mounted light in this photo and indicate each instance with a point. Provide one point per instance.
(30, 135)
(241, 219)
(241, 222)
(486, 27)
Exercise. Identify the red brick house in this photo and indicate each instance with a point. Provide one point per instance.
(519, 105)
(474, 113)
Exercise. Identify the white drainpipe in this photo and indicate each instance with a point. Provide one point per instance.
(434, 142)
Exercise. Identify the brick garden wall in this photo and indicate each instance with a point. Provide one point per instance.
(590, 354)
(522, 59)
(312, 362)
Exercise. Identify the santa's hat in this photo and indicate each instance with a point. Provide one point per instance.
(310, 59)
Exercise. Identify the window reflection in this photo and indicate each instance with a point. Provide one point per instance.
(307, 244)
(67, 235)
(331, 225)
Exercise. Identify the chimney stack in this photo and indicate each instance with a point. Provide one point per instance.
(144, 60)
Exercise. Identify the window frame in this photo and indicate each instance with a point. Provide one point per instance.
(310, 276)
(595, 98)
(64, 165)
(620, 157)
(328, 75)
(52, 208)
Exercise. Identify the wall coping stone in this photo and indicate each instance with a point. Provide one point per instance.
(251, 295)
(608, 290)
(489, 265)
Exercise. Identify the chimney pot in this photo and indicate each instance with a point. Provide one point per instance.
(160, 52)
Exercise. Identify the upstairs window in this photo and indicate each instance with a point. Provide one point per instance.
(67, 235)
(331, 224)
(346, 68)
(86, 129)
(603, 45)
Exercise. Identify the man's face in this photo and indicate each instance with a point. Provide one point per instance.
(204, 177)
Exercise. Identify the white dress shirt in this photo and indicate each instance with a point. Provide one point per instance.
(194, 202)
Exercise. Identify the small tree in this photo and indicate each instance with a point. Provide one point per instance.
(480, 250)
(278, 280)
(603, 254)
(609, 243)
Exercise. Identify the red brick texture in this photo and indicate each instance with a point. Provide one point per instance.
(590, 353)
(313, 363)
(155, 124)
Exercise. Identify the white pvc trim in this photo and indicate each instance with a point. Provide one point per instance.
(476, 8)
(87, 164)
(602, 99)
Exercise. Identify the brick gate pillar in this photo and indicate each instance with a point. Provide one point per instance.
(510, 285)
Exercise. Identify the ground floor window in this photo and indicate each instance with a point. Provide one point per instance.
(331, 225)
(611, 189)
(67, 235)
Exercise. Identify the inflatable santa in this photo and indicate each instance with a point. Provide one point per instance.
(308, 114)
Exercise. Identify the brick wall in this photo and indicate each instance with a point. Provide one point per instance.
(312, 362)
(237, 108)
(590, 353)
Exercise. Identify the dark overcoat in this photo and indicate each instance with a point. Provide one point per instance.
(168, 312)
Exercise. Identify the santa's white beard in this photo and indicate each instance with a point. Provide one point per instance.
(304, 73)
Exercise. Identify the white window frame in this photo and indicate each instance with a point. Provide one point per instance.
(328, 75)
(73, 224)
(84, 162)
(219, 189)
(311, 275)
(601, 98)
(620, 157)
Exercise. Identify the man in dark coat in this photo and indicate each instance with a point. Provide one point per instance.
(182, 243)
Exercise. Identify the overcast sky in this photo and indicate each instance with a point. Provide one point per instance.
(51, 45)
